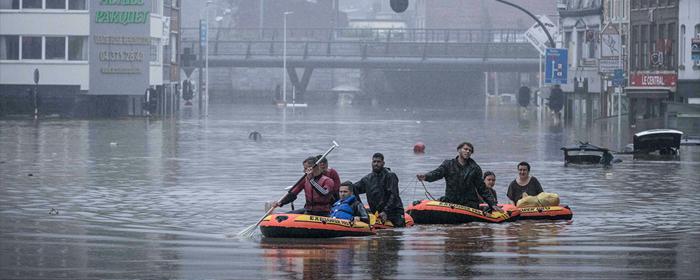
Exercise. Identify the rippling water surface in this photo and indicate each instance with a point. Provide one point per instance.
(161, 199)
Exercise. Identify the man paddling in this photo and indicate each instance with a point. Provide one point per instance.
(317, 189)
(330, 173)
(463, 179)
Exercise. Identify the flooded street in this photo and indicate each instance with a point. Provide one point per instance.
(132, 198)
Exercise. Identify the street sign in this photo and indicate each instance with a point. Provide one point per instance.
(536, 35)
(202, 33)
(618, 78)
(36, 75)
(556, 66)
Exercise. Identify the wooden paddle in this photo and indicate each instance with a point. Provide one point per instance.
(248, 231)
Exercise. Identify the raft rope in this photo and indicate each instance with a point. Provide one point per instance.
(427, 193)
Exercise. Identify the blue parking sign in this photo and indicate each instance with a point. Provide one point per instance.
(556, 66)
(618, 77)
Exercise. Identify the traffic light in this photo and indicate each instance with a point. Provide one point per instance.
(399, 6)
(187, 90)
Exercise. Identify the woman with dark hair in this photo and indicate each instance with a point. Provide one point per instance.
(490, 182)
(524, 183)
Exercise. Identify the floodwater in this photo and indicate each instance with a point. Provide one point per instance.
(139, 199)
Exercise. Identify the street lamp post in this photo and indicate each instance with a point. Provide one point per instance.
(206, 55)
(284, 56)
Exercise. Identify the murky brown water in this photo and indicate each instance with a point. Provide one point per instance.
(138, 199)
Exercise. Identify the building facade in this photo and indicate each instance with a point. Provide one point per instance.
(685, 115)
(581, 23)
(613, 56)
(94, 58)
(653, 62)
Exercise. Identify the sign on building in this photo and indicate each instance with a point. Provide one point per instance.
(695, 49)
(556, 66)
(120, 47)
(653, 80)
(536, 35)
(610, 51)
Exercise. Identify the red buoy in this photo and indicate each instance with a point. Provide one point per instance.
(419, 148)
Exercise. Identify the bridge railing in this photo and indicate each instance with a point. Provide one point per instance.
(365, 49)
(363, 34)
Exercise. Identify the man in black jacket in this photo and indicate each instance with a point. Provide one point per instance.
(382, 189)
(463, 179)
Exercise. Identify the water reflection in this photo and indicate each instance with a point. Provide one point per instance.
(310, 258)
(461, 245)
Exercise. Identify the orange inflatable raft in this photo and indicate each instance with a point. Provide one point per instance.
(310, 226)
(379, 224)
(559, 212)
(437, 212)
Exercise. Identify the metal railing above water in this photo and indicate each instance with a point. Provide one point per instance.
(363, 34)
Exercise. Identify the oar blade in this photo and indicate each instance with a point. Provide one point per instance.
(249, 231)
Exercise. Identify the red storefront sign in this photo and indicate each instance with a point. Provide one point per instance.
(653, 80)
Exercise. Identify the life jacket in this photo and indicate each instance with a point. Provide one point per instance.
(342, 209)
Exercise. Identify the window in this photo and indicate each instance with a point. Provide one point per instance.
(77, 48)
(77, 5)
(9, 47)
(697, 30)
(681, 53)
(644, 39)
(652, 37)
(173, 49)
(156, 7)
(634, 52)
(56, 4)
(31, 4)
(670, 49)
(579, 46)
(55, 48)
(9, 4)
(31, 47)
(155, 47)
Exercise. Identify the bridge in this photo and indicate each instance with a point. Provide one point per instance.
(474, 50)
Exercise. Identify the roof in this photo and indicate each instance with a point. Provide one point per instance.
(583, 146)
(657, 131)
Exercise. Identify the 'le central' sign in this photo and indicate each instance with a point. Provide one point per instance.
(653, 80)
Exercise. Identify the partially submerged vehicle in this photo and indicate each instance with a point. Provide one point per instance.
(658, 143)
(585, 153)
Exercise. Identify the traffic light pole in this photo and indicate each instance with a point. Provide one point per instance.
(199, 65)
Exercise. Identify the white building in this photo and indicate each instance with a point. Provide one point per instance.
(94, 57)
(581, 24)
(689, 36)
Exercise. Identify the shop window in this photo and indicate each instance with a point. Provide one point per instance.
(9, 4)
(9, 47)
(56, 4)
(55, 48)
(77, 48)
(31, 47)
(77, 5)
(32, 4)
